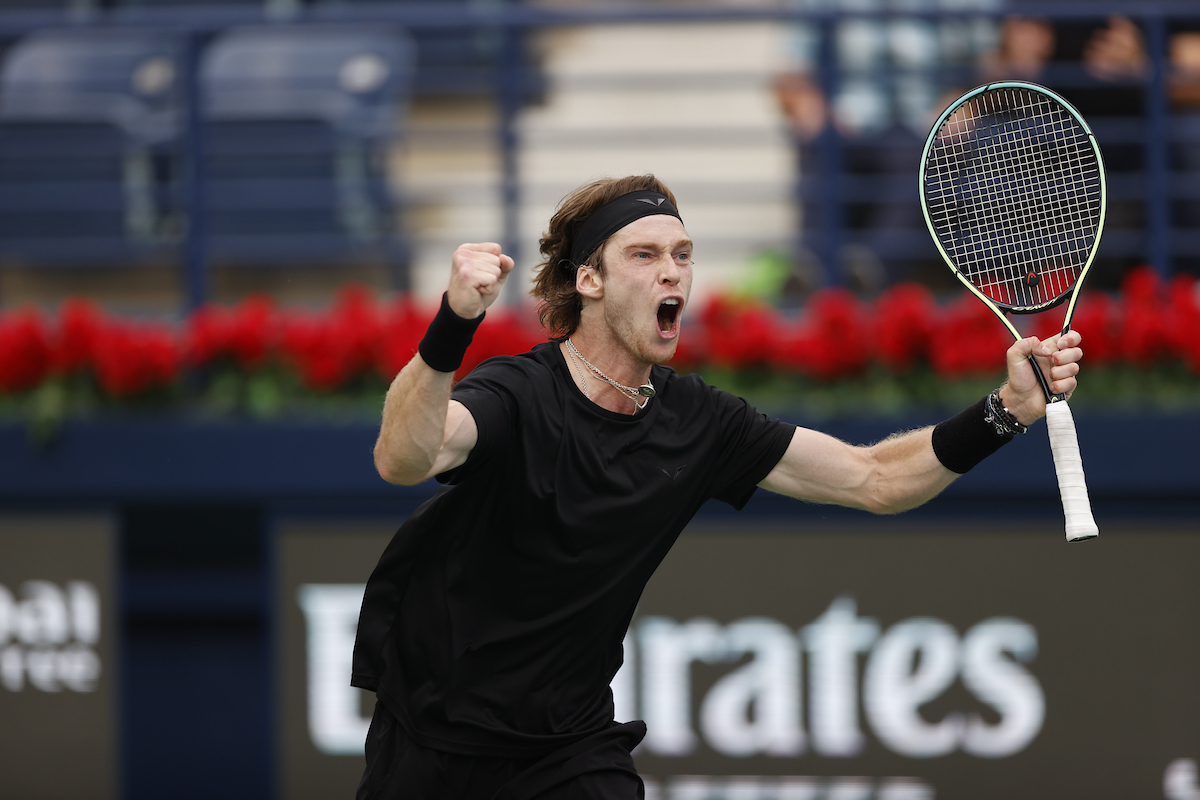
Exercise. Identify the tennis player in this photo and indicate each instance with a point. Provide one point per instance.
(492, 626)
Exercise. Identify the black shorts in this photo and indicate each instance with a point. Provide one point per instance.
(599, 767)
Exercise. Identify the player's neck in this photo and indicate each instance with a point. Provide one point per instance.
(607, 353)
(592, 359)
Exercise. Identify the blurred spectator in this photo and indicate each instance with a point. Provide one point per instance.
(890, 70)
(1097, 65)
(1115, 52)
(1100, 67)
(889, 75)
(1111, 66)
(1184, 53)
(1024, 48)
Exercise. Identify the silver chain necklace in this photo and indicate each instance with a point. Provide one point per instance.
(645, 391)
(579, 369)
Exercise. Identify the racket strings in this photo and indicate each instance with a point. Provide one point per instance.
(1031, 226)
(1023, 214)
(1015, 156)
(1013, 192)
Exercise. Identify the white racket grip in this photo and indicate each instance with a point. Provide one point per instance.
(1064, 445)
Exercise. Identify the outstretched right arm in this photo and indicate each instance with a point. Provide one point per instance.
(424, 432)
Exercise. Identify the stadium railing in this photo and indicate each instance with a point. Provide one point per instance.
(475, 46)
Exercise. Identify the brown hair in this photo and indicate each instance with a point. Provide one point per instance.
(559, 305)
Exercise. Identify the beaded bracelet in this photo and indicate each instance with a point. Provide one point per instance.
(1001, 418)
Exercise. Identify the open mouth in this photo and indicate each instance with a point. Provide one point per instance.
(668, 314)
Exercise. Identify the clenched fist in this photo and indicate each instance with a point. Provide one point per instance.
(1058, 357)
(477, 271)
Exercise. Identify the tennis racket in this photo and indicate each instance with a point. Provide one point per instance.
(1013, 192)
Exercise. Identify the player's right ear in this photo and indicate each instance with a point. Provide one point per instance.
(589, 283)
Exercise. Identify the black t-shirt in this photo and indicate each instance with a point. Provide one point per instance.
(492, 625)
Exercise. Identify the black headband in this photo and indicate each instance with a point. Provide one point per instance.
(614, 215)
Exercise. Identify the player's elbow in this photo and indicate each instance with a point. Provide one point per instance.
(882, 505)
(397, 471)
(400, 477)
(879, 494)
(885, 496)
(876, 501)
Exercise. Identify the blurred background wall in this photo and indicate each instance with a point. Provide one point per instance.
(223, 224)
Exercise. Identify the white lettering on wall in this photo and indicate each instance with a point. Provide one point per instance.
(47, 636)
(756, 707)
(914, 663)
(624, 683)
(335, 723)
(668, 650)
(834, 641)
(1180, 780)
(786, 787)
(1015, 695)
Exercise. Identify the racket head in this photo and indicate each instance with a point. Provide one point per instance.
(1014, 195)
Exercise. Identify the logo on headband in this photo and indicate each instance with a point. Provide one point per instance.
(611, 217)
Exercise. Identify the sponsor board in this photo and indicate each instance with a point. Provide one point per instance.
(323, 720)
(57, 670)
(853, 664)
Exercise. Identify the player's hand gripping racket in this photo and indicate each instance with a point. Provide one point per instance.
(1012, 187)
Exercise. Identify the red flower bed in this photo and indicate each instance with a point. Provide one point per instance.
(835, 336)
(130, 358)
(245, 334)
(831, 340)
(903, 326)
(328, 349)
(25, 351)
(965, 336)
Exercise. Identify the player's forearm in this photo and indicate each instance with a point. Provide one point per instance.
(413, 430)
(894, 475)
(413, 436)
(906, 473)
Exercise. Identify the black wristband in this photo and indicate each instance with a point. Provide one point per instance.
(967, 438)
(447, 338)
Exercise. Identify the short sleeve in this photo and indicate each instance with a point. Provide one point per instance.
(491, 394)
(752, 445)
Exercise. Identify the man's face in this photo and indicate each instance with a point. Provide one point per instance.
(647, 280)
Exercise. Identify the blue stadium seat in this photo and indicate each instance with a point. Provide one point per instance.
(298, 120)
(84, 118)
(449, 60)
